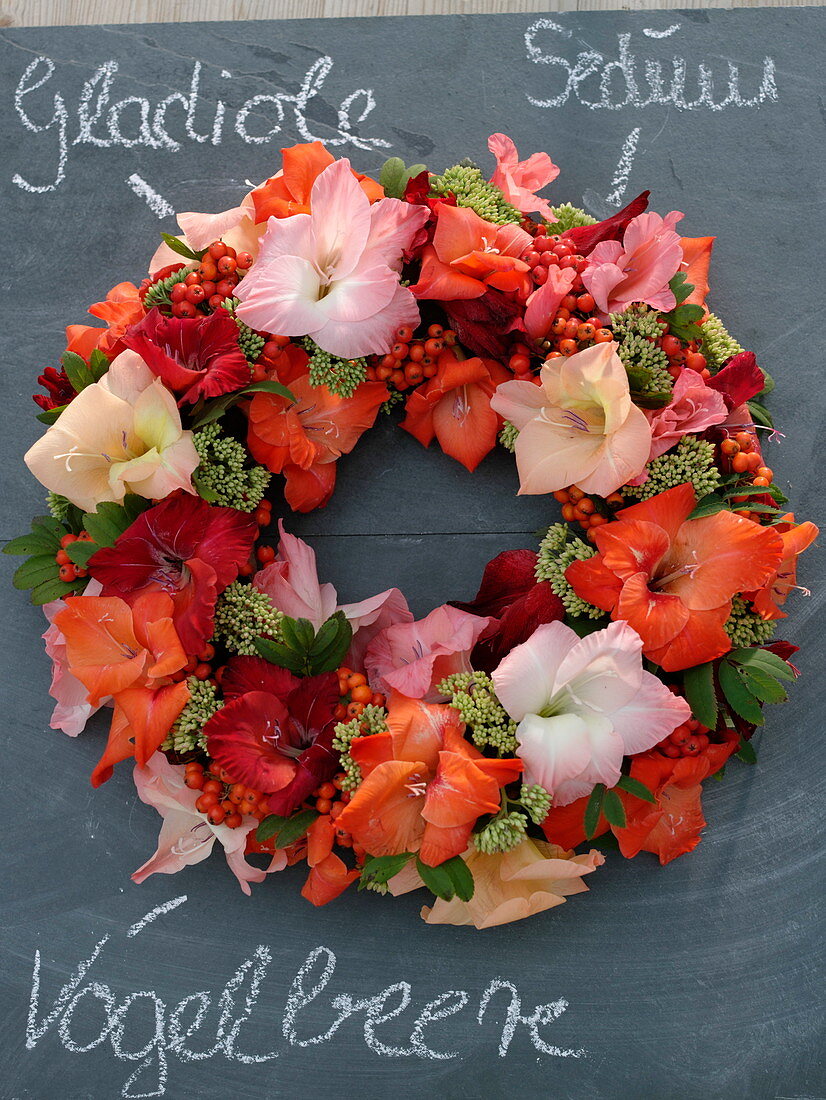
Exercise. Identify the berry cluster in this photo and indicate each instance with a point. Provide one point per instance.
(214, 280)
(689, 739)
(67, 570)
(582, 509)
(411, 360)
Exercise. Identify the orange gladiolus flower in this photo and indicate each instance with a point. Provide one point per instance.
(303, 439)
(696, 261)
(672, 578)
(454, 406)
(121, 309)
(128, 654)
(468, 255)
(288, 192)
(424, 784)
(796, 538)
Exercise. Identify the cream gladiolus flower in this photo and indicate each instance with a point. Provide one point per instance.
(579, 427)
(120, 435)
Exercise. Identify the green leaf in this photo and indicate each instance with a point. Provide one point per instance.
(734, 492)
(380, 869)
(49, 416)
(269, 386)
(35, 570)
(583, 626)
(719, 776)
(298, 634)
(437, 879)
(613, 809)
(635, 787)
(763, 686)
(79, 552)
(108, 523)
(657, 399)
(37, 541)
(181, 248)
(680, 287)
(760, 414)
(746, 752)
(295, 828)
(52, 526)
(327, 657)
(204, 491)
(77, 371)
(394, 176)
(754, 657)
(593, 809)
(56, 589)
(269, 827)
(708, 506)
(98, 364)
(461, 876)
(699, 691)
(278, 654)
(739, 698)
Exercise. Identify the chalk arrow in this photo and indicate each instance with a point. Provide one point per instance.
(156, 203)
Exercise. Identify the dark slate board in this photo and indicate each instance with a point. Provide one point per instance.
(699, 980)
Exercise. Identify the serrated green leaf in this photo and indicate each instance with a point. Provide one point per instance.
(738, 696)
(79, 552)
(437, 879)
(330, 656)
(98, 364)
(278, 654)
(77, 371)
(613, 809)
(635, 787)
(55, 589)
(295, 828)
(708, 505)
(37, 541)
(54, 527)
(699, 691)
(50, 416)
(593, 809)
(325, 637)
(763, 686)
(461, 876)
(181, 248)
(269, 826)
(108, 523)
(380, 869)
(681, 288)
(735, 491)
(298, 634)
(746, 752)
(753, 656)
(35, 570)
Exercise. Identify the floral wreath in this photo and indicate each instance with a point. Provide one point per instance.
(588, 689)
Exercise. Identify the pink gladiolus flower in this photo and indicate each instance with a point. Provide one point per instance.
(413, 657)
(694, 406)
(579, 426)
(186, 836)
(519, 179)
(334, 274)
(582, 704)
(73, 709)
(639, 269)
(542, 305)
(291, 582)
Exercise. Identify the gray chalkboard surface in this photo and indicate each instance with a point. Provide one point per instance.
(699, 980)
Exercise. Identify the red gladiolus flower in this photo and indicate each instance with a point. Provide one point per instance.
(182, 546)
(275, 733)
(483, 325)
(586, 237)
(518, 603)
(196, 358)
(739, 380)
(672, 578)
(454, 406)
(61, 390)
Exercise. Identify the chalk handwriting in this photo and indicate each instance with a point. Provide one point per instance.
(629, 80)
(193, 116)
(141, 1028)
